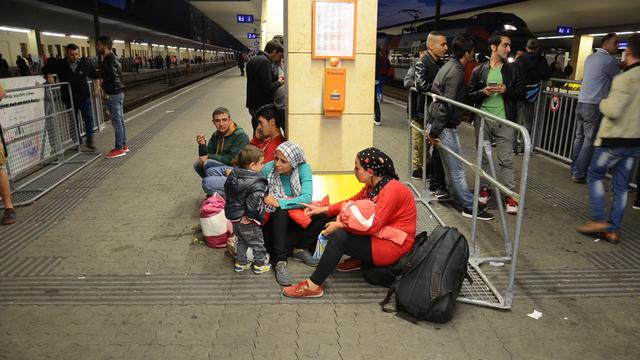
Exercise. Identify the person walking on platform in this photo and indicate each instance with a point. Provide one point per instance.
(496, 88)
(4, 68)
(111, 81)
(23, 68)
(445, 118)
(532, 68)
(262, 82)
(75, 71)
(599, 69)
(426, 70)
(377, 119)
(617, 146)
(9, 216)
(241, 63)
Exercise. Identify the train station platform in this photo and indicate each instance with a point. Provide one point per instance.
(104, 266)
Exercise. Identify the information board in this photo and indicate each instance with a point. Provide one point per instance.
(334, 29)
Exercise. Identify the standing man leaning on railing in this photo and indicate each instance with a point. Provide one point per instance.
(496, 88)
(9, 216)
(617, 147)
(75, 71)
(599, 68)
(112, 84)
(445, 118)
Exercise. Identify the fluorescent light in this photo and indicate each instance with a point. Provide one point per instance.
(510, 27)
(79, 37)
(598, 34)
(117, 41)
(13, 29)
(625, 32)
(143, 44)
(555, 37)
(52, 34)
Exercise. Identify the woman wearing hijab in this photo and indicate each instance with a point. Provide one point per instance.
(290, 185)
(394, 207)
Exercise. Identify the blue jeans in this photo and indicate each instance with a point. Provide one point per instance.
(115, 106)
(455, 168)
(621, 160)
(588, 118)
(213, 177)
(87, 117)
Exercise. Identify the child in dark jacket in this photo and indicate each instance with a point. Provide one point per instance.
(245, 188)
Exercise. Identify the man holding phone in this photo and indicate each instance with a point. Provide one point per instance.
(496, 88)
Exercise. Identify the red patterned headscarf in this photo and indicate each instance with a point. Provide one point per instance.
(377, 163)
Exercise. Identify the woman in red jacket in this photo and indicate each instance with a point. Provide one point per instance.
(394, 207)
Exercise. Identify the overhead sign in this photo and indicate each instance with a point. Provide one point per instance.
(251, 35)
(244, 18)
(565, 30)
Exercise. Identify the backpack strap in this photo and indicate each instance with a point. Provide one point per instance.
(441, 257)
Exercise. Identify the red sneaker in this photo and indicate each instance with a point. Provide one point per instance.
(125, 148)
(115, 153)
(484, 196)
(302, 290)
(351, 264)
(512, 205)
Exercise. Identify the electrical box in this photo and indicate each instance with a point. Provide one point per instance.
(335, 87)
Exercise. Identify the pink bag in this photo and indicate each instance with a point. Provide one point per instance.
(215, 226)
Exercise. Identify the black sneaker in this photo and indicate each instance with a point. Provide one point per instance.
(417, 174)
(9, 217)
(636, 205)
(483, 214)
(440, 194)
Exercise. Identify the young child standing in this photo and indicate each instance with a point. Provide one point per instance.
(245, 188)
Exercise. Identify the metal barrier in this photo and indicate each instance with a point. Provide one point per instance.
(40, 134)
(485, 293)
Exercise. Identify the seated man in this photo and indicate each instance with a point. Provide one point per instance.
(268, 135)
(220, 153)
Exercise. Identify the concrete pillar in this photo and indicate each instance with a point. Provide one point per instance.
(330, 144)
(33, 40)
(271, 20)
(127, 48)
(581, 47)
(92, 47)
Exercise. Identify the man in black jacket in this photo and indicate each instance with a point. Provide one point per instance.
(262, 83)
(113, 92)
(532, 69)
(496, 88)
(75, 71)
(426, 70)
(445, 118)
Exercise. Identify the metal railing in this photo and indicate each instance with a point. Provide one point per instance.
(511, 244)
(40, 133)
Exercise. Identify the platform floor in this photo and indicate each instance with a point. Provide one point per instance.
(104, 267)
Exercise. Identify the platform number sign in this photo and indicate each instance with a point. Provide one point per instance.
(565, 30)
(554, 103)
(251, 35)
(244, 18)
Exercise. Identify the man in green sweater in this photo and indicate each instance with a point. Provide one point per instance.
(220, 153)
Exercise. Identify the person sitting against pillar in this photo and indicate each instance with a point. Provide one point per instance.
(395, 208)
(268, 135)
(290, 184)
(218, 155)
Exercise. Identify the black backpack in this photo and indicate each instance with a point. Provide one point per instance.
(431, 276)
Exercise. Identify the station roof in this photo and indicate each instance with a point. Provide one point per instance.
(224, 13)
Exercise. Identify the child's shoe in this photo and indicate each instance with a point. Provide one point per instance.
(241, 267)
(261, 269)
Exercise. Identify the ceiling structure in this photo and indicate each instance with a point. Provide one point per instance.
(224, 12)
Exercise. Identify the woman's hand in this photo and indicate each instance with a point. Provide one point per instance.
(331, 227)
(271, 201)
(311, 209)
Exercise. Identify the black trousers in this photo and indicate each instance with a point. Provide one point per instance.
(340, 243)
(254, 120)
(281, 234)
(436, 172)
(376, 107)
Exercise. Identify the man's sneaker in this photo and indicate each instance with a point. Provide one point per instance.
(115, 153)
(610, 236)
(125, 148)
(593, 227)
(578, 180)
(241, 267)
(377, 122)
(485, 195)
(87, 148)
(282, 273)
(636, 205)
(440, 194)
(305, 257)
(302, 290)
(417, 174)
(483, 214)
(512, 205)
(9, 217)
(261, 269)
(351, 264)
